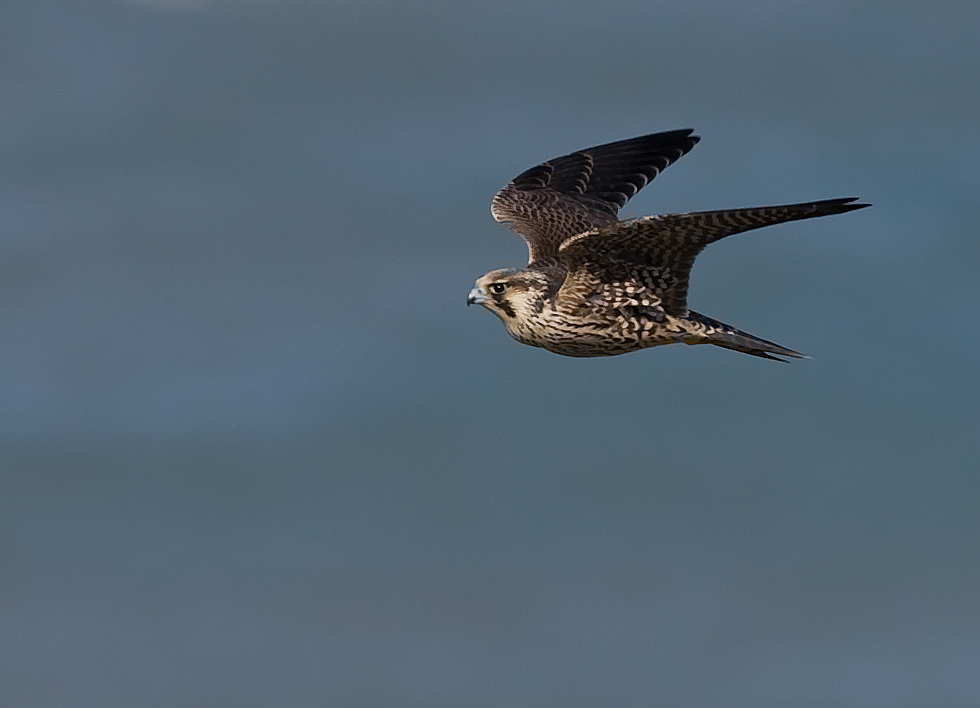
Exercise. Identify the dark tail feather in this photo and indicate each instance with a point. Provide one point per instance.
(723, 335)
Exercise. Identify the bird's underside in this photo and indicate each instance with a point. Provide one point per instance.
(598, 286)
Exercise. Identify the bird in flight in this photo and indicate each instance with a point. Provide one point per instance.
(598, 286)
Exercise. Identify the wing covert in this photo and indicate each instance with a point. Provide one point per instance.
(584, 190)
(658, 252)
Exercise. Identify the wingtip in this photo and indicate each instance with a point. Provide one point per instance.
(849, 201)
(685, 134)
(837, 206)
(849, 206)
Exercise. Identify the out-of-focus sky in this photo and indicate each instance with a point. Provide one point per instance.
(255, 450)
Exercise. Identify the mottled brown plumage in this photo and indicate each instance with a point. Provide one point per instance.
(598, 286)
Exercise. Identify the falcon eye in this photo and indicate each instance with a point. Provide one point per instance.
(497, 288)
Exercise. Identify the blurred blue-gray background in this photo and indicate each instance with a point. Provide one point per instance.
(255, 451)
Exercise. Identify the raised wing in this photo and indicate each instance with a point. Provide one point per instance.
(584, 190)
(655, 254)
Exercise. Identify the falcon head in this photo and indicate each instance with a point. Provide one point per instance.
(515, 296)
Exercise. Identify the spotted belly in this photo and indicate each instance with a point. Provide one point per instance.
(581, 337)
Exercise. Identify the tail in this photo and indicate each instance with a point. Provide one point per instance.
(723, 335)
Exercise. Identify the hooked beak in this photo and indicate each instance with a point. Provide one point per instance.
(476, 297)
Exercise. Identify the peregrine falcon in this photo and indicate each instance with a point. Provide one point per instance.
(598, 286)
